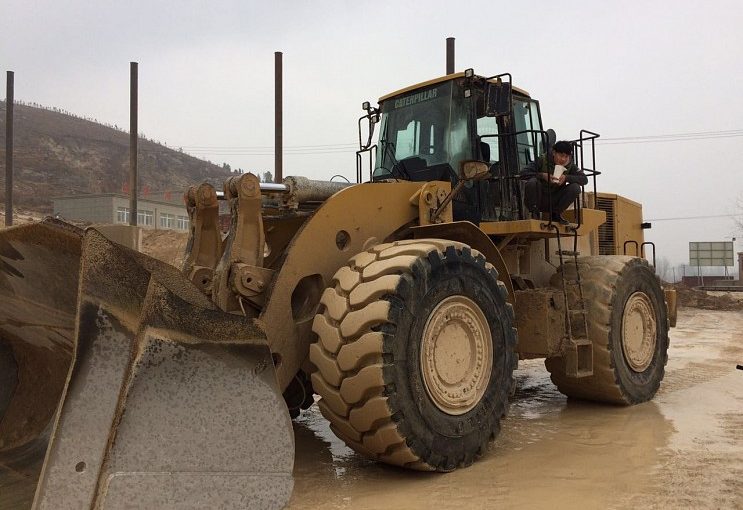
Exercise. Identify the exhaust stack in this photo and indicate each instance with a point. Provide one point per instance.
(278, 125)
(449, 55)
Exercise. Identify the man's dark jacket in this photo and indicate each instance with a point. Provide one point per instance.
(545, 164)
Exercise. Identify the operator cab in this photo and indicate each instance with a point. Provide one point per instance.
(424, 133)
(427, 130)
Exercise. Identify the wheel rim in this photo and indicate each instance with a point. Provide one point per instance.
(456, 355)
(638, 331)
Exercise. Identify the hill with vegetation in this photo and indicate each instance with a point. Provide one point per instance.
(57, 153)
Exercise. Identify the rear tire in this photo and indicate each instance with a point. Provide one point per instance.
(415, 354)
(628, 325)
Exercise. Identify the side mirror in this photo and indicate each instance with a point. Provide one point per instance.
(498, 99)
(472, 170)
(366, 132)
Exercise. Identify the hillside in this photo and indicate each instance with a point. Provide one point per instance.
(58, 154)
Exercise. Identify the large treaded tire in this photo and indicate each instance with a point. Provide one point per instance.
(608, 282)
(367, 355)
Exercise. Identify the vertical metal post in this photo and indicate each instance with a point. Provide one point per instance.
(9, 151)
(700, 278)
(133, 139)
(278, 123)
(449, 55)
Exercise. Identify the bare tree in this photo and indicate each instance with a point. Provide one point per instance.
(663, 268)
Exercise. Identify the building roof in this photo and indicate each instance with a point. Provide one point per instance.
(173, 203)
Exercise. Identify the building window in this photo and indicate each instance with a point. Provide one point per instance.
(145, 218)
(167, 220)
(122, 215)
(182, 223)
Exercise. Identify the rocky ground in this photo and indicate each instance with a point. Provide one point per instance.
(709, 299)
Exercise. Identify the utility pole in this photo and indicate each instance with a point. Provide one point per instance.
(133, 139)
(9, 150)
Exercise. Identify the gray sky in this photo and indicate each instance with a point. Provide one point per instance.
(623, 69)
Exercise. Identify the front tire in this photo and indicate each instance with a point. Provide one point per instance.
(628, 325)
(415, 354)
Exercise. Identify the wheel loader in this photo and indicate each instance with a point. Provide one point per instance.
(402, 302)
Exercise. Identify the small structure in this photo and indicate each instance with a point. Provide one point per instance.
(714, 254)
(113, 208)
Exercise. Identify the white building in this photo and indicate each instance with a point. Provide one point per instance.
(114, 208)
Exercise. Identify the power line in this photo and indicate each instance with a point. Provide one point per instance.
(267, 146)
(264, 153)
(261, 154)
(608, 141)
(674, 135)
(267, 150)
(695, 217)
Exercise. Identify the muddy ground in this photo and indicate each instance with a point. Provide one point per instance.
(682, 450)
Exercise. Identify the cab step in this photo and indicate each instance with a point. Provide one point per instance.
(579, 358)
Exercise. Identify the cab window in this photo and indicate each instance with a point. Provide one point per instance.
(489, 126)
(529, 127)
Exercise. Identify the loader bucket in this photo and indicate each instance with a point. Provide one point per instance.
(123, 386)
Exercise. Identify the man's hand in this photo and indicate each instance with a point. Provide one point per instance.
(558, 181)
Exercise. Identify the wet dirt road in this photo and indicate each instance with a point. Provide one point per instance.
(682, 450)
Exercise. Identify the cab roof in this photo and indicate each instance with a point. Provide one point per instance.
(440, 80)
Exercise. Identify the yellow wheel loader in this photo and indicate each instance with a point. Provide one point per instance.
(404, 302)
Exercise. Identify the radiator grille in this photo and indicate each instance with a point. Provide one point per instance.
(607, 238)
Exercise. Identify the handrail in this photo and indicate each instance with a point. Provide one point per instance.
(642, 250)
(588, 172)
(637, 247)
(359, 163)
(579, 142)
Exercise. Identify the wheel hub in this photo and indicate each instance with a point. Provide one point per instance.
(456, 355)
(638, 332)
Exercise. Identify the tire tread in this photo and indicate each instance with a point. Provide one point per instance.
(349, 355)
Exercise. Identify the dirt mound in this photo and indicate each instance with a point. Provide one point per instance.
(708, 300)
(21, 215)
(165, 245)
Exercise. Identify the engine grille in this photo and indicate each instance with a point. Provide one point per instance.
(607, 237)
